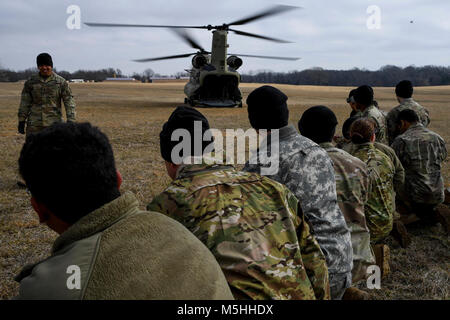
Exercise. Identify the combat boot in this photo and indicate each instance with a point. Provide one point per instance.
(353, 293)
(382, 257)
(400, 234)
(442, 213)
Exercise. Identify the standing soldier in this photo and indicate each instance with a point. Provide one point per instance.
(40, 105)
(404, 91)
(367, 109)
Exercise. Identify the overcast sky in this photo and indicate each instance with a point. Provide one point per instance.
(328, 34)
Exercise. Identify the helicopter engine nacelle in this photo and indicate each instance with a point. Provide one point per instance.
(199, 61)
(234, 62)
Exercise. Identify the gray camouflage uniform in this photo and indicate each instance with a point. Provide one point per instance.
(307, 170)
(422, 152)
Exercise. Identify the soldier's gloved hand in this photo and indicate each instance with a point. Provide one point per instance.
(21, 127)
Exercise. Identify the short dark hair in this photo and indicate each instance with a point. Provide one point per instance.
(318, 123)
(404, 89)
(44, 59)
(408, 115)
(362, 130)
(69, 167)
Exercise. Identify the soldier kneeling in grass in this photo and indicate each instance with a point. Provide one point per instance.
(252, 224)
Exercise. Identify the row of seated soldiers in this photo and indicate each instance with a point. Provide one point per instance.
(307, 231)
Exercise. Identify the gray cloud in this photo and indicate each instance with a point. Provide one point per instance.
(330, 34)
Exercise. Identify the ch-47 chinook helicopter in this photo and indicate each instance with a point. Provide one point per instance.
(214, 80)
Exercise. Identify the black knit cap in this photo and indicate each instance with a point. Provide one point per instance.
(44, 59)
(267, 108)
(404, 89)
(364, 95)
(318, 124)
(182, 118)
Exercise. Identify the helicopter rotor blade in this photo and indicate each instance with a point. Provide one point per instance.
(183, 34)
(95, 24)
(263, 57)
(266, 13)
(166, 57)
(253, 35)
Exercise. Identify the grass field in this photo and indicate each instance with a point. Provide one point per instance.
(132, 116)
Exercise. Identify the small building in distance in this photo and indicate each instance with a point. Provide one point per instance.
(120, 79)
(168, 79)
(76, 80)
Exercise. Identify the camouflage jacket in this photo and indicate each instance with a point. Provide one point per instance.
(254, 228)
(399, 176)
(306, 169)
(377, 115)
(422, 152)
(352, 184)
(380, 206)
(40, 103)
(391, 117)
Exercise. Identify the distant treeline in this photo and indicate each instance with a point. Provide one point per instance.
(7, 75)
(386, 76)
(97, 75)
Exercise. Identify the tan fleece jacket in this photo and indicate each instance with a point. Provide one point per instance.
(125, 253)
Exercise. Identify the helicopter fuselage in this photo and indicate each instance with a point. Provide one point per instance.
(214, 84)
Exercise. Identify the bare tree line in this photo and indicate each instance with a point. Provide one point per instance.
(386, 76)
(7, 75)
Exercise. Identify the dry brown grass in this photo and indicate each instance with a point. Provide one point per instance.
(132, 115)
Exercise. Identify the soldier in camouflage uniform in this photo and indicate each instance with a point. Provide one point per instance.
(40, 104)
(404, 91)
(352, 183)
(399, 231)
(366, 109)
(380, 207)
(252, 225)
(307, 171)
(346, 144)
(422, 152)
